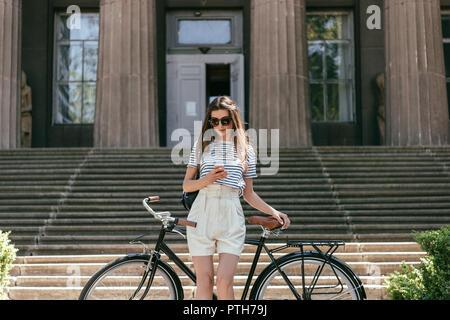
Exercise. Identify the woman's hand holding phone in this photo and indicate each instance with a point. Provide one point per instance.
(217, 173)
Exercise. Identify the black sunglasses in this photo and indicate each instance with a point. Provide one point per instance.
(215, 122)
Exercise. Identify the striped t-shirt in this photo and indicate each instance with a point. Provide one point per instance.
(224, 152)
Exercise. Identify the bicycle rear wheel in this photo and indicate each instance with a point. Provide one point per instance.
(120, 279)
(323, 280)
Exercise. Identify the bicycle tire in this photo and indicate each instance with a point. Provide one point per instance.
(267, 285)
(105, 284)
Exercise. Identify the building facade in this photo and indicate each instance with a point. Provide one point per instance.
(128, 73)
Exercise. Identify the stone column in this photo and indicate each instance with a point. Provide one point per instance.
(416, 95)
(279, 84)
(126, 113)
(10, 71)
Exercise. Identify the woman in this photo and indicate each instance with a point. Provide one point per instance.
(228, 164)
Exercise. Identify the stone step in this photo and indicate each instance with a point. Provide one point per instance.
(121, 249)
(31, 244)
(361, 268)
(297, 168)
(358, 154)
(286, 172)
(281, 205)
(23, 286)
(117, 169)
(350, 181)
(372, 257)
(129, 223)
(136, 171)
(300, 217)
(298, 198)
(171, 193)
(369, 186)
(373, 292)
(122, 233)
(323, 152)
(124, 230)
(125, 155)
(75, 281)
(432, 213)
(142, 185)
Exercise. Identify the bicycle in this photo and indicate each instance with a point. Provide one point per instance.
(302, 275)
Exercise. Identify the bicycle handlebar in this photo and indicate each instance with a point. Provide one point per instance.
(165, 215)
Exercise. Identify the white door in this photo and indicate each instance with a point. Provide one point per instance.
(185, 96)
(186, 88)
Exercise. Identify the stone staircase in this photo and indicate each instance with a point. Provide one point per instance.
(63, 277)
(86, 201)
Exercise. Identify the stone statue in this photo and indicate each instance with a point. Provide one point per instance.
(381, 108)
(26, 107)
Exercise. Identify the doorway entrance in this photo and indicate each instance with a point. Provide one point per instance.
(194, 80)
(204, 59)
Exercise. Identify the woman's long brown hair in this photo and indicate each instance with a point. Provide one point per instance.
(240, 138)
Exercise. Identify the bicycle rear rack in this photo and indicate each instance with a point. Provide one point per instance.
(333, 244)
(326, 255)
(297, 243)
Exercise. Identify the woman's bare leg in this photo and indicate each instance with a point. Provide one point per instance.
(225, 275)
(204, 271)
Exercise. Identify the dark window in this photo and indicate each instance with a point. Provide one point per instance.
(75, 68)
(331, 66)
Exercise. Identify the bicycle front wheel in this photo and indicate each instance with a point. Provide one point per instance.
(120, 280)
(312, 277)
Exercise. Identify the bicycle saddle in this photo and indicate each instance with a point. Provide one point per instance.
(269, 223)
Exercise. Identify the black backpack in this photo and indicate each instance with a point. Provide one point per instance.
(187, 198)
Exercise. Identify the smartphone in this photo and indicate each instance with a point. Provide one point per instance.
(220, 167)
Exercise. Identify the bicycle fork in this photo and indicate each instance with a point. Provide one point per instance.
(153, 264)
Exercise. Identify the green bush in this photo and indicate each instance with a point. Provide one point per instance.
(431, 280)
(7, 257)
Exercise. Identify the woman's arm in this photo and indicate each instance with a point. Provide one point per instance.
(256, 202)
(190, 184)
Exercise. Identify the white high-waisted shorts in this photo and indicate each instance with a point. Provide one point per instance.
(220, 222)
